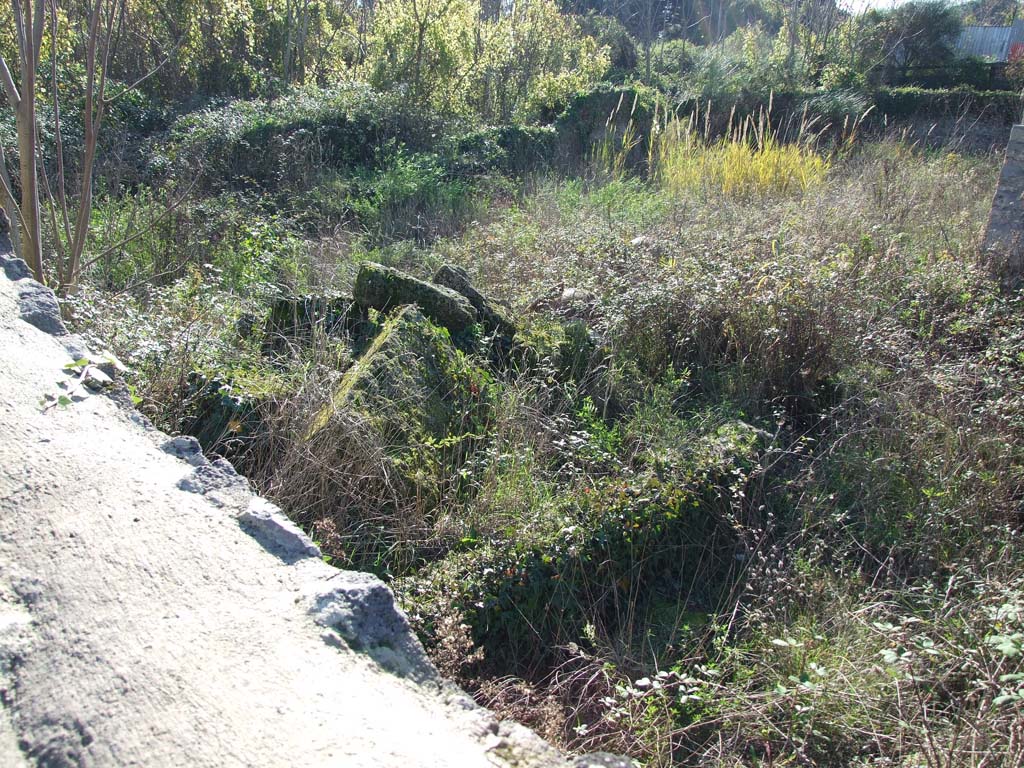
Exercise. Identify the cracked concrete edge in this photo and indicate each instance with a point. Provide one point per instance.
(360, 610)
(354, 610)
(11, 755)
(13, 619)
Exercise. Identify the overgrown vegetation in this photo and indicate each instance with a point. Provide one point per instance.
(728, 470)
(749, 492)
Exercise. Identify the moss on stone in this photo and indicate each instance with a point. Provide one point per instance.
(491, 316)
(566, 349)
(384, 288)
(415, 389)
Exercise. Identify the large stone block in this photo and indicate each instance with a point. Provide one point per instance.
(491, 317)
(1003, 243)
(412, 391)
(384, 288)
(411, 380)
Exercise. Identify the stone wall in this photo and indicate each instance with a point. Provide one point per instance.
(1003, 243)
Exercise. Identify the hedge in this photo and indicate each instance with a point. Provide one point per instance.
(954, 102)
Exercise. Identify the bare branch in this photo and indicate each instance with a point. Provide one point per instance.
(27, 130)
(91, 118)
(143, 229)
(141, 80)
(8, 84)
(58, 133)
(17, 221)
(51, 207)
(19, 24)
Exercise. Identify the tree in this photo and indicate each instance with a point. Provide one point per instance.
(534, 57)
(68, 217)
(648, 18)
(500, 65)
(645, 19)
(29, 21)
(916, 34)
(992, 13)
(426, 46)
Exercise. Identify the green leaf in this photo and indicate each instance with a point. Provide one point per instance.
(136, 400)
(1008, 645)
(111, 358)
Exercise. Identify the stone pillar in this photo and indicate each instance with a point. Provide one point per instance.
(1003, 244)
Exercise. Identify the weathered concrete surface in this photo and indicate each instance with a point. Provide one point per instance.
(153, 613)
(1003, 243)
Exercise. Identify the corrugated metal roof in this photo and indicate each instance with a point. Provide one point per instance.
(991, 43)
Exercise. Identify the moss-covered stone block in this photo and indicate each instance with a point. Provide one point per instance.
(418, 394)
(492, 317)
(385, 288)
(496, 324)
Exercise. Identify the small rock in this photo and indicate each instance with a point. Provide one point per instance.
(362, 610)
(266, 523)
(96, 379)
(219, 475)
(185, 447)
(568, 303)
(15, 269)
(39, 307)
(76, 348)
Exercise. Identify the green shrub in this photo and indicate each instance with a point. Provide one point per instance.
(833, 106)
(624, 544)
(622, 47)
(901, 103)
(623, 116)
(152, 237)
(511, 149)
(411, 196)
(672, 59)
(287, 140)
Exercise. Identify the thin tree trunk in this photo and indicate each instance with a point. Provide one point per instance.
(31, 235)
(288, 22)
(95, 104)
(28, 21)
(10, 204)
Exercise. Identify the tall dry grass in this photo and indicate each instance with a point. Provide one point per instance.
(832, 300)
(749, 161)
(837, 302)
